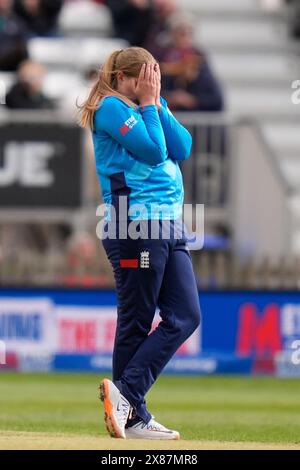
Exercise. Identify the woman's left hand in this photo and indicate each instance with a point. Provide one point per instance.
(157, 75)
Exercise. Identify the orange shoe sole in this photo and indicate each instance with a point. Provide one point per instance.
(109, 419)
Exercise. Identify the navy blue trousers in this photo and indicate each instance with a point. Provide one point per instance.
(169, 284)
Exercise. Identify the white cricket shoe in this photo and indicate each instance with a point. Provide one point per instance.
(152, 430)
(116, 409)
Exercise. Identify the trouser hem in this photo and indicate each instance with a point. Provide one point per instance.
(139, 408)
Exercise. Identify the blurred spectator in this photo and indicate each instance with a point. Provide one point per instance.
(12, 38)
(131, 19)
(188, 82)
(39, 15)
(271, 5)
(27, 92)
(69, 105)
(294, 18)
(158, 38)
(86, 264)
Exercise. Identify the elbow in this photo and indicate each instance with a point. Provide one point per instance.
(185, 149)
(188, 146)
(157, 155)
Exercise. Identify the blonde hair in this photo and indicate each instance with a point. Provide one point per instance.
(129, 61)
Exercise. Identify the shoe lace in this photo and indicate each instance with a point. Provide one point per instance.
(126, 409)
(152, 425)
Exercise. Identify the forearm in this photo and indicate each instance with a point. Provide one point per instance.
(178, 138)
(155, 131)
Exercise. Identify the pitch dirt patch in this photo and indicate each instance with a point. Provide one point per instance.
(10, 440)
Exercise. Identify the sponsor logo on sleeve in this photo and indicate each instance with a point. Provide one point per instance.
(128, 125)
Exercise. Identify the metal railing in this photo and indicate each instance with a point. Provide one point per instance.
(213, 176)
(206, 171)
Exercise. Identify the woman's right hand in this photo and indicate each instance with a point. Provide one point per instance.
(146, 87)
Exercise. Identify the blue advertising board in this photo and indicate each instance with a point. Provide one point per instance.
(240, 332)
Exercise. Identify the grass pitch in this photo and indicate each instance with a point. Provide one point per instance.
(60, 411)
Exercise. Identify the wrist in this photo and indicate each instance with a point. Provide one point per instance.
(147, 103)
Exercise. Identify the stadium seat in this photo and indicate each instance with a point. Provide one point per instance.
(59, 82)
(72, 52)
(6, 80)
(217, 32)
(219, 5)
(85, 16)
(254, 100)
(283, 135)
(291, 172)
(254, 67)
(53, 51)
(283, 138)
(94, 51)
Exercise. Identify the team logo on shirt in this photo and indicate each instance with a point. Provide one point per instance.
(128, 125)
(145, 259)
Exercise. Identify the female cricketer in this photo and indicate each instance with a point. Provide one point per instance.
(138, 145)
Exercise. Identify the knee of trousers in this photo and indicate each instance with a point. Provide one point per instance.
(182, 327)
(132, 326)
(191, 321)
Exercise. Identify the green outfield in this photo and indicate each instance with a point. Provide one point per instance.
(60, 411)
